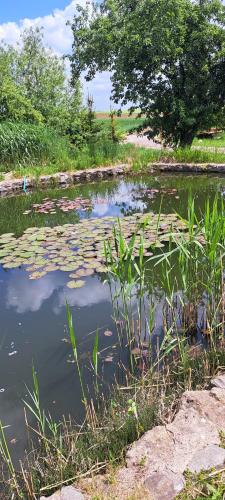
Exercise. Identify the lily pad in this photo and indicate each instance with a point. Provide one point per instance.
(75, 284)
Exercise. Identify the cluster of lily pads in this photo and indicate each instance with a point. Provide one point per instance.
(151, 192)
(64, 204)
(79, 248)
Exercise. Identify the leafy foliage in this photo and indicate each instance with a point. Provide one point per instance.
(34, 86)
(13, 103)
(167, 58)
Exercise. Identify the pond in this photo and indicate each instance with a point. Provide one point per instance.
(33, 328)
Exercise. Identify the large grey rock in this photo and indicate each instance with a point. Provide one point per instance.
(205, 459)
(66, 493)
(157, 461)
(164, 485)
(219, 382)
(191, 441)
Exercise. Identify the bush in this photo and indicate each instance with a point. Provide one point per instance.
(29, 144)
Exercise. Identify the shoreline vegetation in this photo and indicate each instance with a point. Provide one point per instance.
(62, 453)
(29, 150)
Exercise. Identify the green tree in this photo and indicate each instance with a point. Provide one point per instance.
(13, 103)
(34, 84)
(167, 57)
(42, 75)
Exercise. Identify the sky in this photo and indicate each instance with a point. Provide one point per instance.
(15, 15)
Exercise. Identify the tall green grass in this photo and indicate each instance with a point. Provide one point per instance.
(27, 144)
(28, 149)
(142, 158)
(190, 275)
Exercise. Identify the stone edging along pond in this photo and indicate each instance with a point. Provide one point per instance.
(8, 187)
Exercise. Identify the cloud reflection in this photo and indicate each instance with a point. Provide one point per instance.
(29, 296)
(25, 295)
(93, 292)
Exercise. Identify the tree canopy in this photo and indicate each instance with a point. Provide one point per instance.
(167, 58)
(34, 85)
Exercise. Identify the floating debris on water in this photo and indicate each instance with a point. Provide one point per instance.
(108, 333)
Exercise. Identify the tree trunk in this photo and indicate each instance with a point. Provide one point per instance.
(186, 138)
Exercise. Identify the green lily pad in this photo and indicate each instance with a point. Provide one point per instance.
(75, 284)
(37, 275)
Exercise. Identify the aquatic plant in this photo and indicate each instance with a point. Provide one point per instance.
(74, 347)
(79, 249)
(64, 204)
(191, 293)
(191, 273)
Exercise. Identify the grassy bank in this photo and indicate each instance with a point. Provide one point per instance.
(108, 153)
(33, 150)
(62, 453)
(156, 373)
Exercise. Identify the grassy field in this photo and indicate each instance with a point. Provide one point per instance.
(124, 125)
(217, 141)
(34, 150)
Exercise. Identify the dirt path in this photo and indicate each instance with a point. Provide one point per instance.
(142, 141)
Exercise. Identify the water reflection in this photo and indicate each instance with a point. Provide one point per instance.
(33, 317)
(26, 295)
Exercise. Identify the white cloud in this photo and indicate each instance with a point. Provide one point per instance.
(58, 36)
(94, 292)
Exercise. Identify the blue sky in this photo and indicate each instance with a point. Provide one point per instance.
(16, 15)
(14, 10)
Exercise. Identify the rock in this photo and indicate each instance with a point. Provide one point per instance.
(156, 463)
(206, 458)
(164, 485)
(160, 457)
(66, 493)
(219, 382)
(62, 178)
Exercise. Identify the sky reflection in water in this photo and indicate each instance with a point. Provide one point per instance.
(33, 317)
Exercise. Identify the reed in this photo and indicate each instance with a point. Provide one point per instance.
(74, 348)
(191, 298)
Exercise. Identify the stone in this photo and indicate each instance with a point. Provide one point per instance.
(191, 441)
(218, 382)
(207, 458)
(164, 485)
(66, 493)
(61, 178)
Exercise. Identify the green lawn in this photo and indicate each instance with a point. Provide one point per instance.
(218, 141)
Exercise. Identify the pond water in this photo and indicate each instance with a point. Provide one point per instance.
(33, 328)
